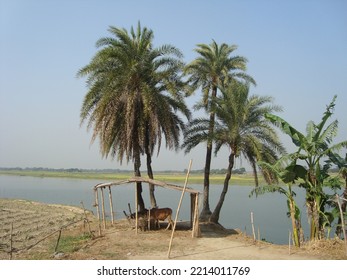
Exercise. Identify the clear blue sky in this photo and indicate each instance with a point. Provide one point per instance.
(297, 52)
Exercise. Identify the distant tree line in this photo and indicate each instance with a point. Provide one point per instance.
(241, 170)
(68, 170)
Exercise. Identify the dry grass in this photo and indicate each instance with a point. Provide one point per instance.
(32, 221)
(327, 249)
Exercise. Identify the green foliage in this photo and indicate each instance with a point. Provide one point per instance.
(69, 244)
(134, 94)
(305, 165)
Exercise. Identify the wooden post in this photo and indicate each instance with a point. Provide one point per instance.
(149, 219)
(11, 240)
(96, 192)
(196, 228)
(97, 203)
(178, 208)
(86, 220)
(111, 204)
(103, 207)
(192, 210)
(136, 211)
(56, 245)
(130, 209)
(254, 238)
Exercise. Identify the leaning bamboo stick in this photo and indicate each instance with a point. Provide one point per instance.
(178, 208)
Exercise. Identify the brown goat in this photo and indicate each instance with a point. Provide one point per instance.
(161, 214)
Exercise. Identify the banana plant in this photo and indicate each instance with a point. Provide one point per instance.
(312, 149)
(341, 164)
(288, 176)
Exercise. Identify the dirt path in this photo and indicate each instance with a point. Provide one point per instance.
(34, 220)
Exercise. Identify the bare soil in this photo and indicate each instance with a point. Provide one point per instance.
(36, 230)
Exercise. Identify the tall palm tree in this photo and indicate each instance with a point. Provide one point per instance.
(241, 126)
(127, 104)
(214, 66)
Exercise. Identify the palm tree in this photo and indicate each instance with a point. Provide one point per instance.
(241, 126)
(127, 103)
(215, 66)
(312, 149)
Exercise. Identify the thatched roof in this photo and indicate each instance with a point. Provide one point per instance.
(146, 180)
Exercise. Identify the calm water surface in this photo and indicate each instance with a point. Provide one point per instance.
(269, 210)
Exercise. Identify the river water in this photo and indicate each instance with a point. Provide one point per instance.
(269, 210)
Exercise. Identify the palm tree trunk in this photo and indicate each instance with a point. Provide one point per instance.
(149, 168)
(215, 215)
(206, 212)
(151, 186)
(137, 164)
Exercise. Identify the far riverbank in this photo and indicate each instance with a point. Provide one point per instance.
(175, 177)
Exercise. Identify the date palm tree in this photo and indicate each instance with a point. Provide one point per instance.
(241, 126)
(133, 97)
(214, 66)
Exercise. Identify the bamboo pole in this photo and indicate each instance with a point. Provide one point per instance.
(178, 208)
(342, 221)
(111, 204)
(289, 240)
(103, 207)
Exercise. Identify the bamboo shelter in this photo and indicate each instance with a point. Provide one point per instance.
(100, 189)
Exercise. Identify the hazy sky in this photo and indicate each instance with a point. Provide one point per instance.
(297, 52)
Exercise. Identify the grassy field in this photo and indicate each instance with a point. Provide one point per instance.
(237, 179)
